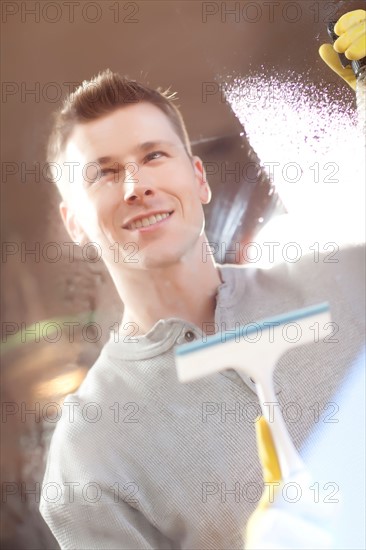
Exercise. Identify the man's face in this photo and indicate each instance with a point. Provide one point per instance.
(132, 166)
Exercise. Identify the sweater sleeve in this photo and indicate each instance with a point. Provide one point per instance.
(88, 505)
(102, 525)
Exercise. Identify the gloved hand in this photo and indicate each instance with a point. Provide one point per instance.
(351, 29)
(287, 517)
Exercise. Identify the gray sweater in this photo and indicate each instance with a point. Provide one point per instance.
(140, 461)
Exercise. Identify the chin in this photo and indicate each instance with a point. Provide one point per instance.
(173, 250)
(158, 262)
(163, 258)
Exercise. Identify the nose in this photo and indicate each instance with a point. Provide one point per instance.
(135, 188)
(137, 193)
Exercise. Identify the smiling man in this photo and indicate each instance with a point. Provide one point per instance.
(164, 465)
(138, 185)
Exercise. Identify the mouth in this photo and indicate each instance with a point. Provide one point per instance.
(149, 221)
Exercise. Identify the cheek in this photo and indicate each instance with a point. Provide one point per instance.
(180, 181)
(95, 215)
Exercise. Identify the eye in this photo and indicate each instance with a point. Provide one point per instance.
(154, 155)
(106, 171)
(109, 174)
(102, 176)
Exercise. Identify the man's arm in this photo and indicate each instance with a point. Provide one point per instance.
(87, 503)
(101, 525)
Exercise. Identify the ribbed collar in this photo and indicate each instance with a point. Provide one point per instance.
(168, 332)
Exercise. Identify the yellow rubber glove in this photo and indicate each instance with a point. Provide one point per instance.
(351, 29)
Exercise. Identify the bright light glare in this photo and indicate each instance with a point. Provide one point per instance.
(311, 147)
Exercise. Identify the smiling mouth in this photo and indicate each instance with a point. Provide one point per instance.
(149, 220)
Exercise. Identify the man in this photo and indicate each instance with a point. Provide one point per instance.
(163, 465)
(160, 178)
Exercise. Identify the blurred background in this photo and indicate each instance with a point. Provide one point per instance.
(199, 49)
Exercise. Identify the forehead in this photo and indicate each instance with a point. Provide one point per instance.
(120, 132)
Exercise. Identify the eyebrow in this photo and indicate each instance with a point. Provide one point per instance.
(142, 147)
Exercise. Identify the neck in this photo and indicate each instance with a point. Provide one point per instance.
(185, 289)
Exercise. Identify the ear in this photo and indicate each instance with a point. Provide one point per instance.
(72, 225)
(204, 188)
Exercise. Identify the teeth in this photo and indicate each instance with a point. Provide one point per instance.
(151, 220)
